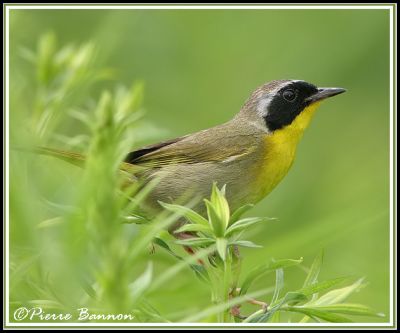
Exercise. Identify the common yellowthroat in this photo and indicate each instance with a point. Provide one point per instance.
(250, 153)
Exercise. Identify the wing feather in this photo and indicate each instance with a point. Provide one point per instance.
(215, 145)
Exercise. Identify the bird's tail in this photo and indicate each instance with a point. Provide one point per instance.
(77, 158)
(68, 156)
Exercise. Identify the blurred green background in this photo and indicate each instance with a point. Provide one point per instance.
(199, 66)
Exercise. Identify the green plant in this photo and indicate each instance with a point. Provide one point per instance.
(224, 232)
(82, 242)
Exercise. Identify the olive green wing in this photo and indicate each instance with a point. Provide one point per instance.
(201, 147)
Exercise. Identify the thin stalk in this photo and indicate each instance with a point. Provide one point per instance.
(227, 280)
(253, 315)
(215, 286)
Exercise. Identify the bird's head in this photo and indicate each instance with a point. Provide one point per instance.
(283, 103)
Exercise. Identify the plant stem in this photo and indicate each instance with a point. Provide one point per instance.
(221, 284)
(213, 273)
(227, 280)
(253, 315)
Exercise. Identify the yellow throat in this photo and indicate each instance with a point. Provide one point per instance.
(280, 150)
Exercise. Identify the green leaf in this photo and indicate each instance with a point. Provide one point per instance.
(266, 268)
(201, 273)
(244, 243)
(141, 284)
(314, 270)
(321, 286)
(51, 222)
(338, 295)
(315, 312)
(58, 208)
(290, 297)
(194, 228)
(221, 247)
(165, 246)
(284, 263)
(151, 314)
(136, 219)
(196, 241)
(199, 270)
(190, 214)
(279, 282)
(237, 214)
(215, 221)
(349, 309)
(244, 223)
(220, 205)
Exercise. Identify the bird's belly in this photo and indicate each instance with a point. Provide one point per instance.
(181, 182)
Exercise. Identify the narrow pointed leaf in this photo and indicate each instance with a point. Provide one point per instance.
(264, 269)
(199, 270)
(279, 282)
(194, 228)
(314, 312)
(290, 297)
(196, 241)
(244, 223)
(201, 273)
(51, 222)
(338, 295)
(314, 270)
(190, 214)
(244, 243)
(221, 247)
(216, 223)
(165, 246)
(237, 214)
(322, 286)
(220, 205)
(349, 309)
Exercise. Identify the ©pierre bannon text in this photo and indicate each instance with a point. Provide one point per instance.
(81, 314)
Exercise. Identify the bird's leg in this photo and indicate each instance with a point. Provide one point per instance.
(235, 310)
(264, 306)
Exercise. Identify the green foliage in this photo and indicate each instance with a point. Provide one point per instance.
(224, 232)
(84, 257)
(79, 239)
(220, 229)
(328, 307)
(266, 268)
(61, 75)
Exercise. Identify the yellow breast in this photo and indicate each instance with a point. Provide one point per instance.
(280, 150)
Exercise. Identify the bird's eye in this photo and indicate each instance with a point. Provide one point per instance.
(289, 95)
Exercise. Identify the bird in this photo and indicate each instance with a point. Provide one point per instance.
(249, 154)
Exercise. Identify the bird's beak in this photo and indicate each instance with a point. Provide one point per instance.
(324, 93)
